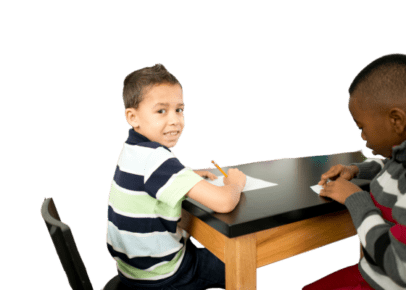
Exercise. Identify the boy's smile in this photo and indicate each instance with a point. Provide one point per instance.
(159, 116)
(382, 131)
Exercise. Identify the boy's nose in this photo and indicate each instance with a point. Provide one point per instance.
(174, 119)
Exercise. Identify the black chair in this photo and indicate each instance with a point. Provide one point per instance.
(68, 253)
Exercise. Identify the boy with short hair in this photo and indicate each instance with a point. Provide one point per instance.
(149, 186)
(378, 106)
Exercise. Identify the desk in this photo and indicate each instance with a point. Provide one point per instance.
(273, 223)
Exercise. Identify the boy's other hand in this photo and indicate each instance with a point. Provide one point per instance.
(346, 172)
(206, 174)
(235, 176)
(339, 189)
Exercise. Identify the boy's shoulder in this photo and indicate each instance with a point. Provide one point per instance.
(135, 138)
(152, 150)
(149, 154)
(153, 153)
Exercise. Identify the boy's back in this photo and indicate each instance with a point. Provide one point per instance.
(142, 211)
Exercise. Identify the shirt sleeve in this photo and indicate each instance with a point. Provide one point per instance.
(384, 242)
(370, 168)
(166, 179)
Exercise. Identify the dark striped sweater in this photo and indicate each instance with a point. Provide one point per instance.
(380, 219)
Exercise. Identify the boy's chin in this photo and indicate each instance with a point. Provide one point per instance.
(170, 144)
(379, 154)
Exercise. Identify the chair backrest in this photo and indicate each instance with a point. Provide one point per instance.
(65, 247)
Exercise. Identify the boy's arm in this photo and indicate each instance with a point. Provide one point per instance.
(384, 243)
(370, 168)
(221, 199)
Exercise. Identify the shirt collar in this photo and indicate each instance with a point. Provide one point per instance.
(135, 137)
(399, 152)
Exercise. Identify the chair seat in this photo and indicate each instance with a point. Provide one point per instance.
(116, 284)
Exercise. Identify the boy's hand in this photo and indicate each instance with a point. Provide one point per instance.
(346, 172)
(339, 189)
(206, 174)
(235, 176)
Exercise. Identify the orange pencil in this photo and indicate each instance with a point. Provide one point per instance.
(218, 167)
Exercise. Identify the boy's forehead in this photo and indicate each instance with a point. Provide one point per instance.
(165, 94)
(359, 94)
(353, 106)
(363, 95)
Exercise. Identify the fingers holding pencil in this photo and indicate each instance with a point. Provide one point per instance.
(219, 168)
(235, 176)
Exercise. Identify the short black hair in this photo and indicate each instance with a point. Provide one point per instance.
(383, 80)
(138, 81)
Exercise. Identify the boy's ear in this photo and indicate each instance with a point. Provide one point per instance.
(398, 117)
(131, 116)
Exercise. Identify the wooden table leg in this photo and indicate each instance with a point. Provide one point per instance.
(241, 266)
(239, 254)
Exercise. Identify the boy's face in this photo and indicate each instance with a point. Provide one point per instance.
(159, 116)
(378, 129)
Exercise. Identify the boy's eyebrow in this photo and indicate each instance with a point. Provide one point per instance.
(167, 104)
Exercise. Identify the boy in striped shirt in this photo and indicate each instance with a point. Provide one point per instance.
(378, 106)
(148, 188)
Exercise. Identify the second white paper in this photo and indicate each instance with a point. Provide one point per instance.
(317, 188)
(251, 183)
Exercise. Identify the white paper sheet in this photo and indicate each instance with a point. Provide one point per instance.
(251, 183)
(317, 188)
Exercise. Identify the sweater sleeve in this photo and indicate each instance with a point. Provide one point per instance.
(384, 242)
(370, 168)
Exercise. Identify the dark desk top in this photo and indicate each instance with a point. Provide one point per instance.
(290, 201)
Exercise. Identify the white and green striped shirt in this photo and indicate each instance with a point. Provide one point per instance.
(144, 208)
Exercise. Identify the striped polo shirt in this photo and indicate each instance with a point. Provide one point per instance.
(144, 207)
(380, 219)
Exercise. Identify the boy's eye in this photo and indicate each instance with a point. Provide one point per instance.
(162, 111)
